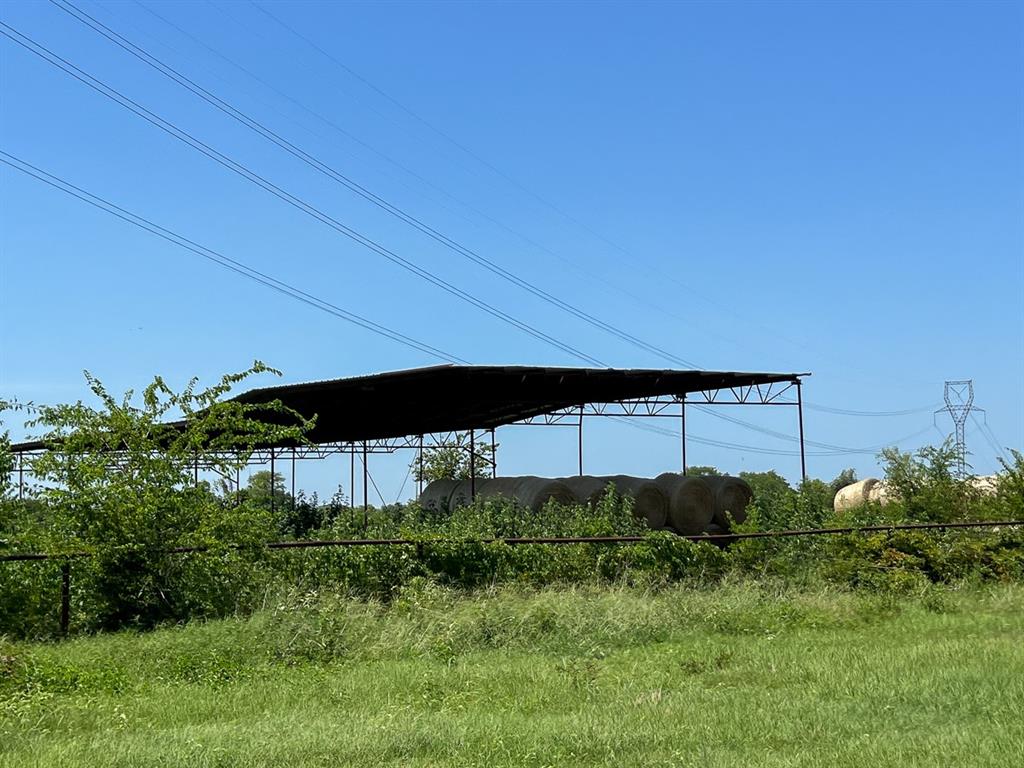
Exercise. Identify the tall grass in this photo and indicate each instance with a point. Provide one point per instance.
(740, 674)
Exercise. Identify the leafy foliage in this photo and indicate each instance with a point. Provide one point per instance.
(454, 461)
(131, 515)
(130, 509)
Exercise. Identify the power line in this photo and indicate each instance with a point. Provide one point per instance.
(790, 438)
(417, 117)
(324, 218)
(352, 185)
(337, 176)
(218, 258)
(989, 436)
(708, 299)
(645, 302)
(755, 448)
(849, 412)
(246, 173)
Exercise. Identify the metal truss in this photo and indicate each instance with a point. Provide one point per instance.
(661, 406)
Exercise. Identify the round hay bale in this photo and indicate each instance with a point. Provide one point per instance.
(529, 491)
(650, 503)
(855, 495)
(731, 496)
(437, 495)
(690, 503)
(587, 489)
(881, 493)
(986, 485)
(462, 493)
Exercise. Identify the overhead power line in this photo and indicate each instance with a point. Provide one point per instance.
(324, 218)
(783, 436)
(644, 301)
(246, 173)
(332, 173)
(233, 265)
(250, 122)
(990, 438)
(849, 412)
(704, 296)
(654, 429)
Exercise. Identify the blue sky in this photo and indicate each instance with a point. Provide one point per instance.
(835, 188)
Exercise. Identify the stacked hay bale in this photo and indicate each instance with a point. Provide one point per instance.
(731, 497)
(674, 502)
(587, 489)
(691, 505)
(530, 491)
(650, 502)
(438, 495)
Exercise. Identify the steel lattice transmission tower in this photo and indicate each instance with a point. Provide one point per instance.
(959, 397)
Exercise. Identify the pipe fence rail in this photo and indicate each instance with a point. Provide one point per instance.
(419, 544)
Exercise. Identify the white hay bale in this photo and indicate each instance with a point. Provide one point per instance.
(987, 485)
(527, 490)
(854, 495)
(650, 503)
(691, 506)
(731, 496)
(881, 493)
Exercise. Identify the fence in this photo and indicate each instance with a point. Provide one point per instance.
(715, 538)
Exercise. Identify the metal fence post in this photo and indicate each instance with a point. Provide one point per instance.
(65, 597)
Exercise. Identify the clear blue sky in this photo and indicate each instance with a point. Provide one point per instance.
(835, 188)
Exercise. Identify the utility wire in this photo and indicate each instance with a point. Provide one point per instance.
(990, 438)
(509, 179)
(791, 438)
(302, 205)
(332, 173)
(732, 446)
(218, 258)
(246, 173)
(642, 301)
(350, 184)
(849, 412)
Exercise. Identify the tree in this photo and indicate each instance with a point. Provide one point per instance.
(923, 483)
(846, 477)
(123, 483)
(774, 498)
(267, 493)
(702, 471)
(452, 461)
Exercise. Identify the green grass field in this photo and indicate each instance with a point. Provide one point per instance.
(731, 676)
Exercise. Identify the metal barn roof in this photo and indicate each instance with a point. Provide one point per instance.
(459, 397)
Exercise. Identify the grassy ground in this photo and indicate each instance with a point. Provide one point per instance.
(618, 677)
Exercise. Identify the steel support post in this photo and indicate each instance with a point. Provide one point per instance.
(419, 479)
(366, 483)
(682, 431)
(352, 476)
(273, 481)
(580, 440)
(800, 412)
(494, 456)
(293, 479)
(472, 464)
(21, 475)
